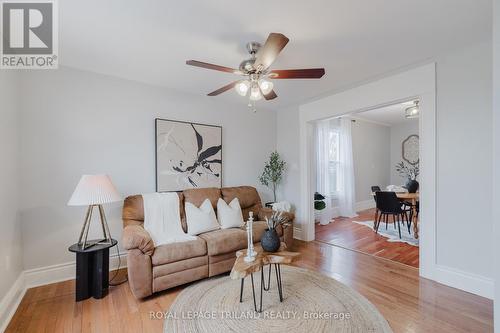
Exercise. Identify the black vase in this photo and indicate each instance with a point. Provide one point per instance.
(270, 241)
(412, 186)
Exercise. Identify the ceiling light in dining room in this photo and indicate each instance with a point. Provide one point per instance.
(412, 111)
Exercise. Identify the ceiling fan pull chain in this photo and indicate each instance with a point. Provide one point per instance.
(251, 105)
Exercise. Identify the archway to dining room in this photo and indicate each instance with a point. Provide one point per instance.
(351, 108)
(367, 181)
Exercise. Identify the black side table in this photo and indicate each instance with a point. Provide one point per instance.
(92, 270)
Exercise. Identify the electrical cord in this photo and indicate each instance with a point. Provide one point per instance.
(117, 271)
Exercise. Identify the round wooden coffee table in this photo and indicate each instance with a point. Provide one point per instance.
(242, 269)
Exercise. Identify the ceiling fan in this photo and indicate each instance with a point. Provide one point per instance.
(256, 70)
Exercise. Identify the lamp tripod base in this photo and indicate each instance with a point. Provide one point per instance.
(82, 240)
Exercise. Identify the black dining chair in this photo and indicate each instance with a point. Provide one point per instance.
(374, 190)
(408, 207)
(388, 204)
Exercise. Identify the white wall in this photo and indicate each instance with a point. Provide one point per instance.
(399, 133)
(371, 157)
(464, 159)
(76, 122)
(496, 154)
(10, 234)
(287, 143)
(463, 156)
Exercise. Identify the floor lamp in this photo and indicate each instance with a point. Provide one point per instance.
(94, 191)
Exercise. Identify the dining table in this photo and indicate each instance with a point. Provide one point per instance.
(408, 197)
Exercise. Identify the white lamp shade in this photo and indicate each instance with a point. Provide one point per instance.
(94, 190)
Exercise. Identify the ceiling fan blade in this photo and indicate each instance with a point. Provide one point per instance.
(268, 53)
(223, 89)
(212, 66)
(271, 95)
(309, 73)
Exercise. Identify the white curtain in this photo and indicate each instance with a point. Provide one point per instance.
(346, 170)
(322, 169)
(322, 162)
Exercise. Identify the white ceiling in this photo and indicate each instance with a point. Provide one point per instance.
(149, 41)
(388, 115)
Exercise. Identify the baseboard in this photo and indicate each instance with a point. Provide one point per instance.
(297, 233)
(472, 283)
(11, 300)
(63, 272)
(364, 205)
(42, 276)
(334, 211)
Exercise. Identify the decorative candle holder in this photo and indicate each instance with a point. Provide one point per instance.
(251, 254)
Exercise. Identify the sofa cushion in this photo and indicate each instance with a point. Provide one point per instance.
(229, 216)
(258, 230)
(196, 196)
(173, 252)
(201, 219)
(248, 197)
(225, 240)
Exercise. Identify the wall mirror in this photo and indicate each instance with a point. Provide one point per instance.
(411, 149)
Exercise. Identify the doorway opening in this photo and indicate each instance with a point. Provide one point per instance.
(415, 84)
(356, 156)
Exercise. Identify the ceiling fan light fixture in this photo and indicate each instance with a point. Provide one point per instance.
(242, 87)
(256, 70)
(266, 86)
(412, 111)
(255, 94)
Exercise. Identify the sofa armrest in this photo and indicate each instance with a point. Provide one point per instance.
(287, 229)
(136, 237)
(140, 273)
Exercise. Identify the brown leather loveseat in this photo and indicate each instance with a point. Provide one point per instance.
(153, 269)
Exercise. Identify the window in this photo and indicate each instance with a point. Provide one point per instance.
(327, 157)
(333, 160)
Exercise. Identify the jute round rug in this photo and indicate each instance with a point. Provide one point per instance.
(312, 303)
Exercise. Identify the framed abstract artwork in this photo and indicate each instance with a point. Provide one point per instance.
(188, 155)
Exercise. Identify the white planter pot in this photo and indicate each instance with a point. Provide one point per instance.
(322, 216)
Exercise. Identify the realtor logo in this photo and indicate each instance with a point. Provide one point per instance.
(29, 34)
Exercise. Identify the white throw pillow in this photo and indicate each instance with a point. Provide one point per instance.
(200, 220)
(230, 216)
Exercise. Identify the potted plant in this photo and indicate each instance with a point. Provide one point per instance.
(410, 173)
(270, 240)
(319, 201)
(273, 173)
(319, 206)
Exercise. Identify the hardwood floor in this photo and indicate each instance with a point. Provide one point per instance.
(409, 303)
(356, 237)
